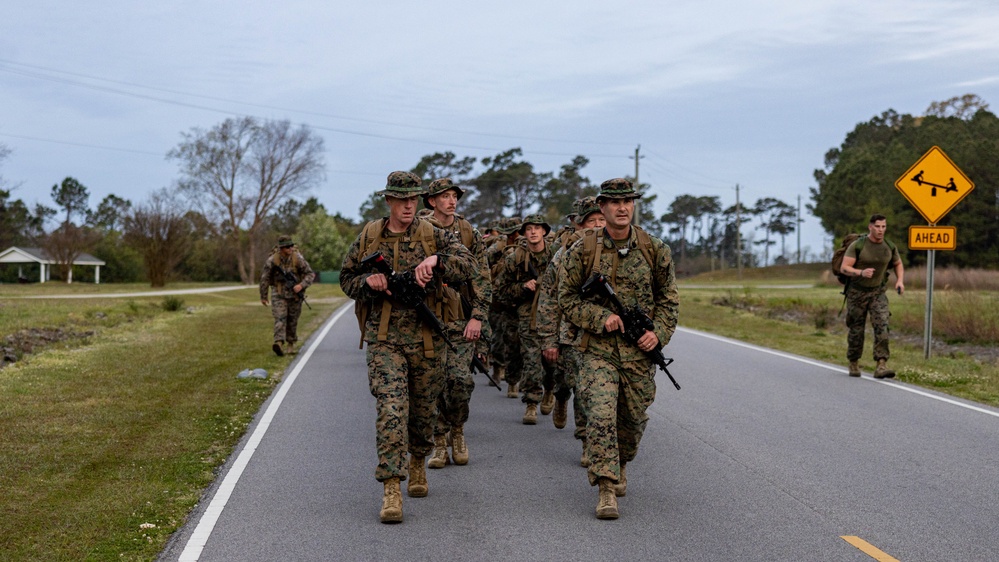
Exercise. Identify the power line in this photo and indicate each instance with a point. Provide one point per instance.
(262, 106)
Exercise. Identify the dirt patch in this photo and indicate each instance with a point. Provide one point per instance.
(32, 340)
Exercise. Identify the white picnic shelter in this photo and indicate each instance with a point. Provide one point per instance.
(19, 256)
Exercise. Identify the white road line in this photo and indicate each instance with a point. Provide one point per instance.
(895, 385)
(199, 538)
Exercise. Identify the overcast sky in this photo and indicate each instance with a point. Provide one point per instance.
(716, 92)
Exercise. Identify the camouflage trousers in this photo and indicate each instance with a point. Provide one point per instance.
(565, 376)
(860, 304)
(406, 386)
(452, 404)
(505, 343)
(617, 394)
(286, 313)
(537, 373)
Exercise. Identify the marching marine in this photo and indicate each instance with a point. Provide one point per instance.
(616, 378)
(290, 275)
(403, 355)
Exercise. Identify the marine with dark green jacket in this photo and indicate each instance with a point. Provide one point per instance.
(867, 262)
(467, 331)
(290, 275)
(518, 283)
(616, 379)
(405, 372)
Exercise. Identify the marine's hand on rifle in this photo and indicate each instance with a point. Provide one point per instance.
(648, 341)
(614, 324)
(297, 288)
(550, 355)
(473, 330)
(531, 285)
(377, 282)
(425, 271)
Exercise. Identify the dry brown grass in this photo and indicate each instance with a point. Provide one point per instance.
(944, 278)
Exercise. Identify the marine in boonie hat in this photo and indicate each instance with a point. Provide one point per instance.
(535, 219)
(285, 241)
(587, 206)
(402, 185)
(618, 188)
(439, 186)
(509, 225)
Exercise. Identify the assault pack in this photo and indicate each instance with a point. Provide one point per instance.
(840, 253)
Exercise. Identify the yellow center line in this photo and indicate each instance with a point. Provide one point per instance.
(869, 549)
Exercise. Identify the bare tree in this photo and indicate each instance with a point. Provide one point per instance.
(241, 170)
(160, 232)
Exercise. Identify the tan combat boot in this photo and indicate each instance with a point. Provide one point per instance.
(854, 369)
(607, 505)
(438, 457)
(499, 372)
(547, 402)
(882, 371)
(417, 487)
(561, 413)
(584, 461)
(621, 488)
(459, 449)
(511, 390)
(289, 348)
(392, 502)
(531, 415)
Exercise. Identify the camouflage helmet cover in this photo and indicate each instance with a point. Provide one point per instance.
(402, 185)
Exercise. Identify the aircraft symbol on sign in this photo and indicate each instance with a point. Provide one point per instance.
(918, 178)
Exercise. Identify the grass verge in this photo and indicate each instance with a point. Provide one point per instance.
(806, 322)
(109, 440)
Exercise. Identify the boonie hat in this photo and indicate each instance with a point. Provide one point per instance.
(509, 225)
(285, 241)
(618, 188)
(402, 185)
(587, 206)
(441, 185)
(535, 219)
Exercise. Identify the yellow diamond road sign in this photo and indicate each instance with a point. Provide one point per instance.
(934, 184)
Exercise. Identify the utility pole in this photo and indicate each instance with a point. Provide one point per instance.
(634, 217)
(738, 231)
(797, 227)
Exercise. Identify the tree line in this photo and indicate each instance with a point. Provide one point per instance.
(244, 181)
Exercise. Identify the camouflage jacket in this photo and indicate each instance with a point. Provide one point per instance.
(555, 329)
(455, 264)
(636, 282)
(478, 290)
(273, 275)
(514, 272)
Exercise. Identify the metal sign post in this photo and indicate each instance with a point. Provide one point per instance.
(931, 258)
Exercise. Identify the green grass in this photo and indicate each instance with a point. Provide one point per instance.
(807, 322)
(109, 441)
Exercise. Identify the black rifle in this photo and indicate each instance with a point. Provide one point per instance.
(466, 311)
(291, 280)
(636, 321)
(407, 292)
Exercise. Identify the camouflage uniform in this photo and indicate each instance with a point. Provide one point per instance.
(286, 305)
(616, 378)
(504, 346)
(404, 361)
(513, 274)
(867, 297)
(559, 332)
(477, 291)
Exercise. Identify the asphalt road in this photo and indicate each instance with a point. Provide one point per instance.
(761, 456)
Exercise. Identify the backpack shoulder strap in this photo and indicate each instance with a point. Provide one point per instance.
(645, 245)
